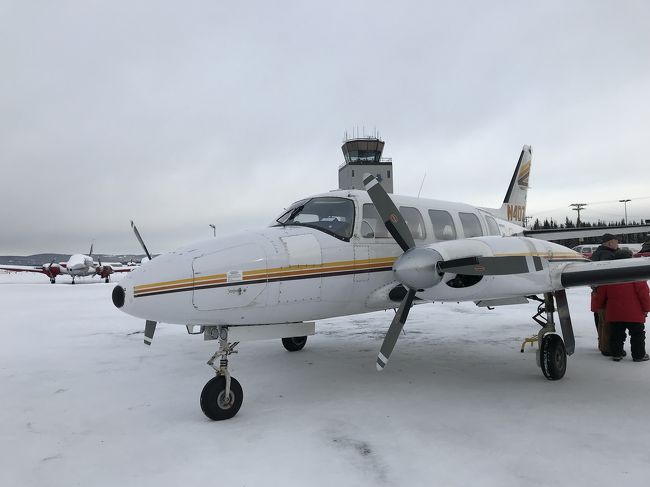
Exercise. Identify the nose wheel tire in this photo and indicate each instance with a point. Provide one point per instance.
(214, 403)
(293, 344)
(553, 357)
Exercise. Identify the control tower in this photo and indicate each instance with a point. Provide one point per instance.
(363, 156)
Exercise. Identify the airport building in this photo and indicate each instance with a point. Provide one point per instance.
(363, 156)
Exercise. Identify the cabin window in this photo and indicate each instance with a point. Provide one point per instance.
(375, 226)
(413, 220)
(388, 174)
(471, 225)
(492, 225)
(443, 225)
(329, 214)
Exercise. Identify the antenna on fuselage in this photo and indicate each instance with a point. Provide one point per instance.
(422, 183)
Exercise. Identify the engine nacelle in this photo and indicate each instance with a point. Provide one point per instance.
(499, 246)
(452, 287)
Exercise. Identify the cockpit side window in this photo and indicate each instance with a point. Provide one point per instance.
(329, 214)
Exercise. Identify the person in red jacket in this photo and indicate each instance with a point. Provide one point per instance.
(626, 308)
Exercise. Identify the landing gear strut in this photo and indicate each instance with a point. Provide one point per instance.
(222, 396)
(552, 353)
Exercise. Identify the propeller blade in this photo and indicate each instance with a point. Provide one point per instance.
(492, 266)
(394, 330)
(389, 213)
(149, 330)
(137, 235)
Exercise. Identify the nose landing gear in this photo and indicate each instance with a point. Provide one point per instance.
(294, 344)
(222, 396)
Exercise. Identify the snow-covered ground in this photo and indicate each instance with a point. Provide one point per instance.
(84, 402)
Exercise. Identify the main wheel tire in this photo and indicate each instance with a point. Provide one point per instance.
(293, 344)
(553, 357)
(214, 403)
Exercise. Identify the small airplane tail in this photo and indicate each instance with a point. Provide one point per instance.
(90, 254)
(513, 208)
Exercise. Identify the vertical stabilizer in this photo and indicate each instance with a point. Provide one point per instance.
(514, 204)
(90, 254)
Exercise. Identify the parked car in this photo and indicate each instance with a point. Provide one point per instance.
(586, 250)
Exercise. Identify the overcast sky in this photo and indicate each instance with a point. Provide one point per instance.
(181, 114)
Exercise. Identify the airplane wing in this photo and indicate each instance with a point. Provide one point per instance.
(22, 269)
(122, 269)
(605, 272)
(584, 232)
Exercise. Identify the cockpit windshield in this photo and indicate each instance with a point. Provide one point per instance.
(330, 214)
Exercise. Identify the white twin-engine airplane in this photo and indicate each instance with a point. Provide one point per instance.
(78, 265)
(350, 252)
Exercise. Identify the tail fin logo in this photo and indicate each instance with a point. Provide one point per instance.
(522, 177)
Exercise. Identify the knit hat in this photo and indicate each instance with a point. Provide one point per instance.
(607, 237)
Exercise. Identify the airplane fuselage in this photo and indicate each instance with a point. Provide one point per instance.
(79, 265)
(321, 267)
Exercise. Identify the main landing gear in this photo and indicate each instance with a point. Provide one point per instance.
(553, 350)
(222, 396)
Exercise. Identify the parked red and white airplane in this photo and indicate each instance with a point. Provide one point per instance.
(78, 265)
(351, 251)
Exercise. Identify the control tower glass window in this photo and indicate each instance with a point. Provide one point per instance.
(361, 156)
(329, 214)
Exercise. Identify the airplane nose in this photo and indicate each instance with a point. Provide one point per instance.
(118, 296)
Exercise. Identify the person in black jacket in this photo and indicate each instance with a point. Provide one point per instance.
(606, 251)
(607, 248)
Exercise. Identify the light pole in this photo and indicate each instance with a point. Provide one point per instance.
(214, 229)
(578, 207)
(625, 202)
